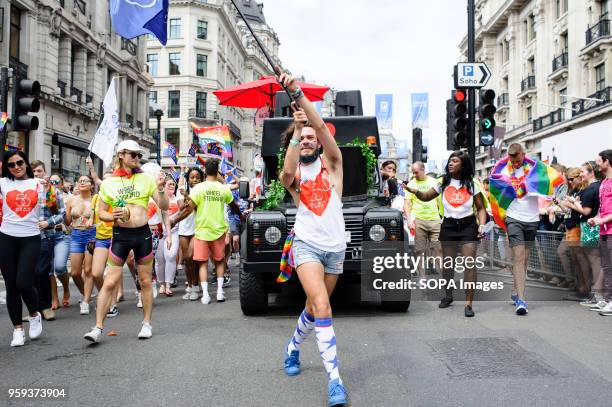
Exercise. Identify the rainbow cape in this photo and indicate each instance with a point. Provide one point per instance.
(541, 180)
(286, 263)
(3, 119)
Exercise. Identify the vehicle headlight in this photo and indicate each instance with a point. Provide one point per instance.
(377, 233)
(273, 235)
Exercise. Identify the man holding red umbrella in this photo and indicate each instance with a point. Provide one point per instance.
(315, 183)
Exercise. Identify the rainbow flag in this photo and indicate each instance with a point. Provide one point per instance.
(3, 119)
(287, 263)
(216, 134)
(540, 180)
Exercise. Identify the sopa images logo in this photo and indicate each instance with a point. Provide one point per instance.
(142, 3)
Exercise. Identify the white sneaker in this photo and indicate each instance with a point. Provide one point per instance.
(599, 306)
(139, 303)
(607, 310)
(194, 295)
(93, 335)
(84, 308)
(146, 331)
(35, 326)
(220, 296)
(18, 338)
(187, 293)
(205, 299)
(154, 289)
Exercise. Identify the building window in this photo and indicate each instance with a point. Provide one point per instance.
(152, 60)
(505, 51)
(173, 136)
(15, 32)
(532, 27)
(201, 65)
(175, 28)
(202, 32)
(152, 102)
(563, 97)
(174, 103)
(600, 77)
(201, 104)
(561, 7)
(529, 114)
(175, 63)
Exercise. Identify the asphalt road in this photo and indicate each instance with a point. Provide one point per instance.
(559, 355)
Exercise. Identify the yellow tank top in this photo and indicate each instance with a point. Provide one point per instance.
(104, 230)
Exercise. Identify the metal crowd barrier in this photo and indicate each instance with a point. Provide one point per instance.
(544, 259)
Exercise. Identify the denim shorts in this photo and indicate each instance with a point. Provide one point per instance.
(80, 238)
(103, 243)
(304, 253)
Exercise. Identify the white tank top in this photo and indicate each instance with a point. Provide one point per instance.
(319, 221)
(187, 226)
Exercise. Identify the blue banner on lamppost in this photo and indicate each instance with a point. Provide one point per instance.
(420, 110)
(384, 111)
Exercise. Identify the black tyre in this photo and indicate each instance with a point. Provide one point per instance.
(395, 306)
(253, 293)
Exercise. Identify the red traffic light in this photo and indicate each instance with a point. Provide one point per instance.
(459, 95)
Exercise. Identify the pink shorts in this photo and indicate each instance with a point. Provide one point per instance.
(202, 249)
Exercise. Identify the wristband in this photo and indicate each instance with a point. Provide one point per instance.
(297, 94)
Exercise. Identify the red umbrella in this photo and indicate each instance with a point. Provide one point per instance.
(261, 92)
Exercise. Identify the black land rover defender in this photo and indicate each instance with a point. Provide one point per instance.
(366, 216)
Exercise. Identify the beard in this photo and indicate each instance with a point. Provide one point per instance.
(310, 158)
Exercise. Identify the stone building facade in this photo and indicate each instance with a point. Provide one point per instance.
(68, 46)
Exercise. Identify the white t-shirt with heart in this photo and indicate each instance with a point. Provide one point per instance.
(457, 200)
(20, 207)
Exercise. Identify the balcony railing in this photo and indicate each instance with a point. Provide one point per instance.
(528, 83)
(600, 29)
(556, 116)
(129, 46)
(197, 113)
(77, 93)
(560, 62)
(597, 99)
(503, 100)
(62, 87)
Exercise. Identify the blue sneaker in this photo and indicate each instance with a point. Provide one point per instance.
(521, 307)
(292, 363)
(514, 297)
(336, 393)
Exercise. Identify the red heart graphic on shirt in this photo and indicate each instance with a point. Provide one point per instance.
(456, 197)
(22, 202)
(316, 194)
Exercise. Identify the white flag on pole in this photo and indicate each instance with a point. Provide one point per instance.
(103, 143)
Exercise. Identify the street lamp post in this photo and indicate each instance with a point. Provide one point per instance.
(158, 114)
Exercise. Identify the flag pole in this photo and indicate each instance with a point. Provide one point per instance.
(275, 68)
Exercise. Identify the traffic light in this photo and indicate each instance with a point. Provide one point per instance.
(486, 115)
(456, 120)
(419, 151)
(25, 100)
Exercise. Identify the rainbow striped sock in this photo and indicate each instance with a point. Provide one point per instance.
(326, 341)
(305, 326)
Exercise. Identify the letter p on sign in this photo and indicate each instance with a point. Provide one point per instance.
(468, 71)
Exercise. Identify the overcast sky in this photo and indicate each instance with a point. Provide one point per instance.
(383, 46)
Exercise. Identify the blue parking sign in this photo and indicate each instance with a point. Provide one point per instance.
(468, 71)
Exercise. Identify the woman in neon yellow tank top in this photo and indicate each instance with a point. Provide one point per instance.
(128, 192)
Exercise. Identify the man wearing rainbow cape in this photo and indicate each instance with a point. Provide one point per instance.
(515, 184)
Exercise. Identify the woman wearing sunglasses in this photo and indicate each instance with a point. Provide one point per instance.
(20, 241)
(128, 192)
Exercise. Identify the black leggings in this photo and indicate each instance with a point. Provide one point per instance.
(18, 264)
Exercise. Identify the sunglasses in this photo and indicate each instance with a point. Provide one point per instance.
(84, 181)
(133, 154)
(18, 163)
(54, 182)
